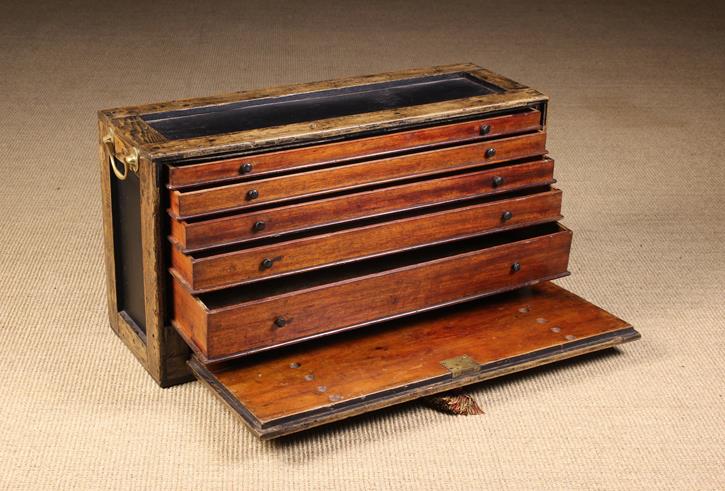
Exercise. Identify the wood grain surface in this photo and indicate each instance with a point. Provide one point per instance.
(193, 235)
(203, 272)
(244, 320)
(312, 183)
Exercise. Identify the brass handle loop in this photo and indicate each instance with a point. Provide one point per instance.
(129, 162)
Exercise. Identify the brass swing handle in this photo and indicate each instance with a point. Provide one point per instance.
(129, 162)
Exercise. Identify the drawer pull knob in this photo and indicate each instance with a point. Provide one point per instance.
(485, 129)
(266, 263)
(259, 226)
(516, 267)
(280, 322)
(490, 152)
(252, 194)
(506, 216)
(497, 181)
(245, 168)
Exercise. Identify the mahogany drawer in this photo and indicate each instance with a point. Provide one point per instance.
(192, 235)
(247, 194)
(238, 321)
(206, 271)
(333, 153)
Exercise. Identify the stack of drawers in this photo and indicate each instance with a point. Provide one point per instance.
(390, 208)
(279, 247)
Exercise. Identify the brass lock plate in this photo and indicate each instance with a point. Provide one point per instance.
(461, 365)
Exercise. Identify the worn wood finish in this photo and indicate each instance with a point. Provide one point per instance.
(243, 322)
(195, 235)
(162, 341)
(107, 214)
(207, 272)
(298, 388)
(514, 95)
(312, 183)
(299, 88)
(335, 128)
(159, 349)
(124, 327)
(335, 153)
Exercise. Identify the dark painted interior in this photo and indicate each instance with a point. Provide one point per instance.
(126, 196)
(311, 106)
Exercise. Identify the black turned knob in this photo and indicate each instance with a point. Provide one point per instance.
(497, 181)
(516, 267)
(266, 263)
(259, 226)
(245, 168)
(490, 152)
(280, 321)
(506, 216)
(485, 129)
(252, 194)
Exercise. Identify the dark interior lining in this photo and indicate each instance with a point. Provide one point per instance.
(232, 296)
(128, 250)
(311, 106)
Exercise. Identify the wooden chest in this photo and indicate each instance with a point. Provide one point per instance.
(317, 251)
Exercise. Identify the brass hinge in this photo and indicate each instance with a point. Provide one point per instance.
(129, 161)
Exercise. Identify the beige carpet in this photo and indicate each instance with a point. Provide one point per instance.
(636, 127)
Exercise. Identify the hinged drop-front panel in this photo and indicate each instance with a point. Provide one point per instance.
(293, 389)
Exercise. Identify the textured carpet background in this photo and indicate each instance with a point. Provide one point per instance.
(636, 127)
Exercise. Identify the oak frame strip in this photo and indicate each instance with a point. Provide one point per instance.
(160, 349)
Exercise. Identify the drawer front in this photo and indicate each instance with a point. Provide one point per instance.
(332, 153)
(197, 235)
(243, 195)
(277, 320)
(246, 265)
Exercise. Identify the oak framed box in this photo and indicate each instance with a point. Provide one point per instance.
(397, 232)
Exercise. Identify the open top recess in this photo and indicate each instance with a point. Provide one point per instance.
(311, 106)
